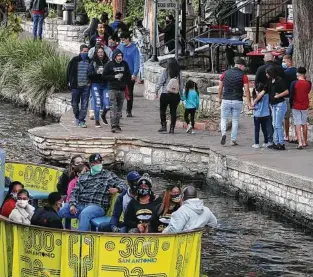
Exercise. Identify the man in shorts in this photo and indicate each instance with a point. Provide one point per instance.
(299, 102)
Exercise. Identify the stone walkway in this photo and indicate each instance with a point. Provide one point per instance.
(145, 123)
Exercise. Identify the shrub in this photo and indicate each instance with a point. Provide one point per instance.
(31, 69)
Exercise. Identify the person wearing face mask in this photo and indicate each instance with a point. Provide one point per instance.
(10, 199)
(112, 44)
(121, 204)
(77, 79)
(107, 50)
(23, 211)
(169, 32)
(118, 23)
(171, 203)
(233, 83)
(48, 216)
(118, 75)
(191, 215)
(142, 212)
(91, 196)
(131, 56)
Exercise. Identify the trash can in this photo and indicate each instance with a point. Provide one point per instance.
(68, 10)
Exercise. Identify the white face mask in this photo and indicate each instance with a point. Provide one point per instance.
(22, 203)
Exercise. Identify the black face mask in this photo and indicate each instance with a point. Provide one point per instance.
(176, 198)
(167, 21)
(143, 192)
(133, 188)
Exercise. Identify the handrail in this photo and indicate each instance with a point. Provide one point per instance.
(236, 10)
(271, 10)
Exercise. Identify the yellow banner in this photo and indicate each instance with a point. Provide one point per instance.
(43, 252)
(34, 177)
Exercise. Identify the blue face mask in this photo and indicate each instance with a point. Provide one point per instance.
(284, 65)
(84, 56)
(95, 169)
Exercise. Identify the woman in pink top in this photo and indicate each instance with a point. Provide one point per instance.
(79, 170)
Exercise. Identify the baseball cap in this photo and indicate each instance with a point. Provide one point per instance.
(240, 61)
(133, 176)
(95, 158)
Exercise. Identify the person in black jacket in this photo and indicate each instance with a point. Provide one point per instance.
(169, 32)
(117, 73)
(261, 78)
(38, 8)
(142, 213)
(99, 89)
(48, 216)
(77, 79)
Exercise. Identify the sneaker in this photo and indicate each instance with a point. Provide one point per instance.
(91, 115)
(113, 129)
(82, 125)
(129, 114)
(281, 147)
(192, 132)
(233, 143)
(223, 140)
(103, 117)
(76, 122)
(98, 124)
(265, 145)
(189, 128)
(256, 146)
(118, 128)
(271, 145)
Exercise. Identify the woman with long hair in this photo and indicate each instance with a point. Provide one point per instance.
(10, 199)
(172, 200)
(277, 89)
(23, 211)
(69, 174)
(170, 75)
(99, 88)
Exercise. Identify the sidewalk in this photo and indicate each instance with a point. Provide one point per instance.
(145, 123)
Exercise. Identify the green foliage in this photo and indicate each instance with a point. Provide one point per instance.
(52, 13)
(31, 69)
(135, 9)
(96, 9)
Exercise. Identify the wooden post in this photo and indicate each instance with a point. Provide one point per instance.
(119, 6)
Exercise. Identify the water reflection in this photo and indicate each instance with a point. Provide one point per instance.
(246, 242)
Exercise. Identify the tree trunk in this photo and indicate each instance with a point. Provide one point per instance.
(303, 34)
(119, 6)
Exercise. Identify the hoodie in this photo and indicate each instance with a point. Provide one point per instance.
(113, 68)
(131, 56)
(191, 215)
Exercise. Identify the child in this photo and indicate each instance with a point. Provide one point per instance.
(261, 114)
(79, 170)
(299, 103)
(192, 102)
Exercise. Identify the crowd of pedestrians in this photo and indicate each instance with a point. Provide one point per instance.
(86, 191)
(281, 92)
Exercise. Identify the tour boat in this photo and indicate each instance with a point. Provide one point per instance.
(32, 251)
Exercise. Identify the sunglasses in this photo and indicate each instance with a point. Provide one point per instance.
(22, 198)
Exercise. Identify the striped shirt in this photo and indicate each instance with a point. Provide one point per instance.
(82, 74)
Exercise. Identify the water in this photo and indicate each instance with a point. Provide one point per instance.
(246, 242)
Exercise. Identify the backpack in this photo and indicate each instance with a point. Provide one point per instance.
(173, 86)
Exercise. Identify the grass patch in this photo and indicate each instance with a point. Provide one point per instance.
(30, 70)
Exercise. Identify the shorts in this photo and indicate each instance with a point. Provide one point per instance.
(288, 112)
(300, 117)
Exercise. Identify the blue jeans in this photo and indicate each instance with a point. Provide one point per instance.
(100, 95)
(278, 113)
(80, 95)
(230, 108)
(38, 19)
(84, 213)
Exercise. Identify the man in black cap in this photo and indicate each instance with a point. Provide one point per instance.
(233, 83)
(92, 194)
(191, 215)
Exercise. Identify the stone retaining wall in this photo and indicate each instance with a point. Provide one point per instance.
(283, 190)
(68, 37)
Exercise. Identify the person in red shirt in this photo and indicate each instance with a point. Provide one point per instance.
(38, 8)
(11, 198)
(299, 102)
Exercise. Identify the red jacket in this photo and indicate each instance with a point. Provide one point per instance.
(8, 207)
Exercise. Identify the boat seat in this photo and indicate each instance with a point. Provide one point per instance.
(103, 220)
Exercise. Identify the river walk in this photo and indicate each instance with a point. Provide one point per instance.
(145, 123)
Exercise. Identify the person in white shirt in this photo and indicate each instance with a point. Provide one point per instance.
(191, 215)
